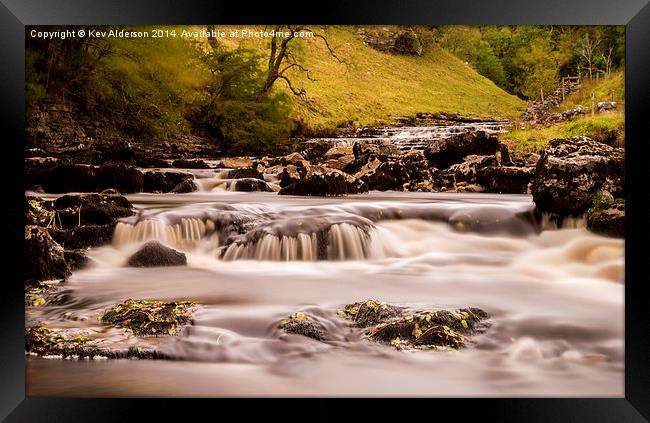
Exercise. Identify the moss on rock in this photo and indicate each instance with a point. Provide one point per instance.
(144, 317)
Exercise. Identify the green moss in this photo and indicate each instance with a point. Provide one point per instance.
(149, 317)
(44, 341)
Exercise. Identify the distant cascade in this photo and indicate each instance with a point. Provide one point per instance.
(183, 234)
(341, 241)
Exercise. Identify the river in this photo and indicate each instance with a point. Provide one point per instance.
(555, 297)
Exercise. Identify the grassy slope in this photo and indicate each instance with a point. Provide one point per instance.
(604, 127)
(375, 86)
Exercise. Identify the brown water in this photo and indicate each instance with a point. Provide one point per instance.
(555, 298)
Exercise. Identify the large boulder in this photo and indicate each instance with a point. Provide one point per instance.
(161, 182)
(505, 179)
(184, 187)
(65, 177)
(393, 174)
(45, 258)
(154, 254)
(320, 181)
(190, 164)
(90, 209)
(571, 171)
(245, 172)
(467, 170)
(122, 177)
(448, 151)
(84, 236)
(251, 185)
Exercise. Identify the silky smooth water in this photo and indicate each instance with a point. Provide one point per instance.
(555, 297)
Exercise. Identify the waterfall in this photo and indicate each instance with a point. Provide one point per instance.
(184, 234)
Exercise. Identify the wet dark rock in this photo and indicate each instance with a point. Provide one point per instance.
(144, 317)
(122, 177)
(504, 155)
(446, 152)
(76, 259)
(505, 179)
(162, 182)
(85, 236)
(44, 258)
(154, 254)
(293, 158)
(251, 185)
(325, 184)
(245, 172)
(305, 325)
(288, 177)
(184, 187)
(571, 171)
(63, 178)
(314, 150)
(607, 217)
(393, 174)
(90, 209)
(467, 171)
(190, 164)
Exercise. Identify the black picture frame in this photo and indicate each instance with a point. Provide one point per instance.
(634, 14)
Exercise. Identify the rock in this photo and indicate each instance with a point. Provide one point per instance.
(150, 317)
(467, 171)
(251, 184)
(76, 259)
(154, 254)
(44, 258)
(394, 174)
(314, 150)
(446, 152)
(305, 325)
(505, 179)
(84, 236)
(289, 176)
(190, 164)
(571, 171)
(607, 217)
(245, 172)
(324, 182)
(63, 178)
(340, 163)
(38, 211)
(46, 342)
(235, 162)
(184, 187)
(525, 159)
(90, 209)
(157, 181)
(504, 155)
(408, 43)
(122, 177)
(336, 152)
(293, 158)
(605, 106)
(371, 312)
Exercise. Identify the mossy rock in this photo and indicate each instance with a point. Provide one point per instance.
(149, 317)
(44, 341)
(370, 312)
(305, 325)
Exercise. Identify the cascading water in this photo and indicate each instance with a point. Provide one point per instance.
(555, 296)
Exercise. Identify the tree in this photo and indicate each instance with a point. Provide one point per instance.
(588, 49)
(282, 58)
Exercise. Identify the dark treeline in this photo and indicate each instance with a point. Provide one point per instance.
(524, 59)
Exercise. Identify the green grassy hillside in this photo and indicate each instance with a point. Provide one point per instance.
(372, 86)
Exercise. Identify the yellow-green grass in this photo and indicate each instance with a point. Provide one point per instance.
(371, 87)
(608, 128)
(611, 88)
